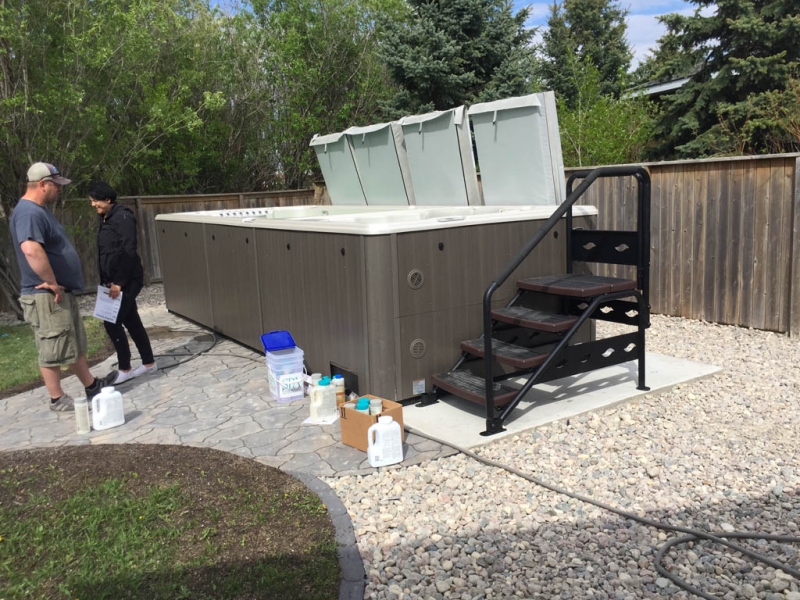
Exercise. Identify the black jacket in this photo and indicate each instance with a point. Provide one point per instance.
(116, 248)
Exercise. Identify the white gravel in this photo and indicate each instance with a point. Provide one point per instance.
(717, 454)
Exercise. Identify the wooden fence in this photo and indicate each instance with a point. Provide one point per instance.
(725, 238)
(725, 234)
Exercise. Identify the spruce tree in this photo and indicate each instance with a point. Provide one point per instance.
(581, 30)
(743, 95)
(451, 52)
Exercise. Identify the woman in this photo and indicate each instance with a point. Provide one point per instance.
(121, 271)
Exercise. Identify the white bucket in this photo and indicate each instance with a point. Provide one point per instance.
(286, 374)
(107, 409)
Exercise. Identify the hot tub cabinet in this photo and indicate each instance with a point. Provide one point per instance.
(384, 294)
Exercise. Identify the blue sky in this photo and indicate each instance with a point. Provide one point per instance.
(643, 26)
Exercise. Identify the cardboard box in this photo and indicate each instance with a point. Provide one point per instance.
(355, 424)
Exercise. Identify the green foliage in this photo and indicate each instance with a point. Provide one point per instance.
(451, 52)
(580, 31)
(322, 70)
(746, 61)
(597, 129)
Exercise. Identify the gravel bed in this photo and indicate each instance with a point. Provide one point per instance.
(719, 454)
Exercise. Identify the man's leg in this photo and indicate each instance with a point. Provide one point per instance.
(81, 369)
(52, 380)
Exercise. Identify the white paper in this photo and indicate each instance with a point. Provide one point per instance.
(326, 421)
(106, 307)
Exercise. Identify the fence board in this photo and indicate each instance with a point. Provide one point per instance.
(712, 221)
(734, 256)
(794, 284)
(686, 208)
(723, 249)
(699, 175)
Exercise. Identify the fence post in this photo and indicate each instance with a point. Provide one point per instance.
(241, 201)
(144, 243)
(794, 280)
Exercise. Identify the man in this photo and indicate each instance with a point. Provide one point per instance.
(51, 273)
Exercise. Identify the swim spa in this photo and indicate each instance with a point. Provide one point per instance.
(384, 294)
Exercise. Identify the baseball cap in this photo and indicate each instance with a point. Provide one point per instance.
(42, 171)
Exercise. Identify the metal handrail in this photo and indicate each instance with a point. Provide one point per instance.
(642, 176)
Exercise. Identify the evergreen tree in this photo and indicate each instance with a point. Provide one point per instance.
(451, 52)
(741, 96)
(581, 30)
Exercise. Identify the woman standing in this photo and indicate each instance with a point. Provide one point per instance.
(121, 271)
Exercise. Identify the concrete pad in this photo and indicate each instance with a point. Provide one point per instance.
(460, 422)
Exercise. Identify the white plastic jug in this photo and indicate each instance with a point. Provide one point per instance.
(323, 401)
(107, 410)
(384, 442)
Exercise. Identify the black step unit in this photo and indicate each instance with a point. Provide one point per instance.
(507, 354)
(579, 286)
(473, 388)
(534, 319)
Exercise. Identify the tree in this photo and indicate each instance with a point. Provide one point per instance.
(598, 129)
(321, 66)
(102, 88)
(746, 59)
(451, 52)
(592, 30)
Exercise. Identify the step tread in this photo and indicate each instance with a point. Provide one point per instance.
(534, 319)
(580, 286)
(505, 353)
(473, 388)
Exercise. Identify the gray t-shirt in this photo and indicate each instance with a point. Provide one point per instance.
(29, 221)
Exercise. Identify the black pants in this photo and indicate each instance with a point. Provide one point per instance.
(129, 318)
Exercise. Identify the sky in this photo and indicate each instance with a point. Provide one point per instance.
(643, 26)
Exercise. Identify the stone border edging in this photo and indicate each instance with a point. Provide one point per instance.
(350, 563)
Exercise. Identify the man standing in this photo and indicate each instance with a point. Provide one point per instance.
(51, 273)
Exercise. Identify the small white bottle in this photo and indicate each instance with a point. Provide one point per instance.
(338, 387)
(82, 416)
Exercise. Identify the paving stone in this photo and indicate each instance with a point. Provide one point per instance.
(308, 444)
(275, 418)
(158, 435)
(341, 457)
(237, 431)
(274, 461)
(227, 445)
(308, 463)
(175, 416)
(265, 437)
(199, 425)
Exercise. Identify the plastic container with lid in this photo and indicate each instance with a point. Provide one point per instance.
(338, 387)
(107, 409)
(323, 400)
(286, 374)
(384, 443)
(362, 405)
(82, 418)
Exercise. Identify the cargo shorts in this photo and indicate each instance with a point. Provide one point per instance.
(57, 328)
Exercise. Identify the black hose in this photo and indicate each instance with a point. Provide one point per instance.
(692, 534)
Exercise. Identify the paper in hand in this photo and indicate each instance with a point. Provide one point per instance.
(106, 307)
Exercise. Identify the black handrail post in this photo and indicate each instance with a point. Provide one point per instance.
(491, 424)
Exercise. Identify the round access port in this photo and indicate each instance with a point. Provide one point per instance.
(415, 279)
(418, 348)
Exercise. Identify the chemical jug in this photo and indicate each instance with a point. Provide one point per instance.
(107, 410)
(384, 443)
(323, 400)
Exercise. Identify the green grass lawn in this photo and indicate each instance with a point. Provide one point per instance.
(19, 359)
(193, 528)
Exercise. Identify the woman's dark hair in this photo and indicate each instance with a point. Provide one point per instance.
(100, 190)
